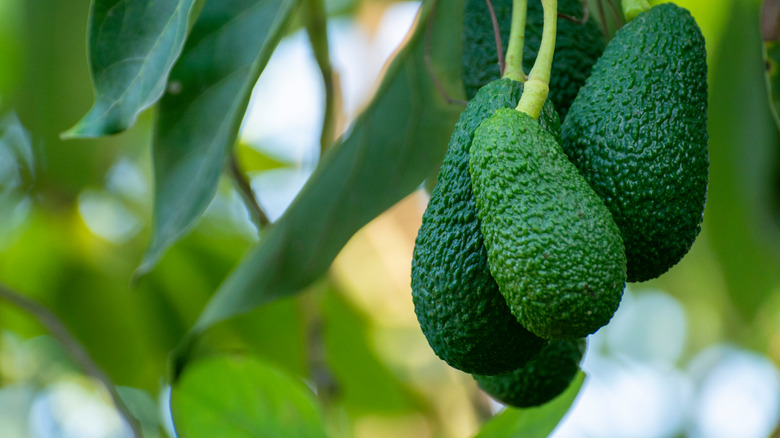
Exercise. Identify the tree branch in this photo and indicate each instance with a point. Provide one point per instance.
(616, 14)
(497, 35)
(585, 15)
(602, 17)
(256, 212)
(77, 352)
(317, 28)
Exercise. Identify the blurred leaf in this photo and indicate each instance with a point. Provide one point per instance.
(275, 333)
(17, 163)
(40, 360)
(743, 150)
(132, 47)
(143, 407)
(252, 160)
(393, 146)
(55, 90)
(333, 9)
(365, 384)
(128, 331)
(770, 30)
(199, 117)
(533, 422)
(242, 397)
(17, 171)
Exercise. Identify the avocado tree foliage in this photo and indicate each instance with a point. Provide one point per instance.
(195, 64)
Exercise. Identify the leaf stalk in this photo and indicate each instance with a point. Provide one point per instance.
(514, 50)
(538, 85)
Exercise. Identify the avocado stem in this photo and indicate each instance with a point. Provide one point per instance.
(632, 8)
(514, 51)
(538, 85)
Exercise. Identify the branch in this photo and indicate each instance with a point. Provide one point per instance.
(615, 14)
(317, 28)
(256, 212)
(585, 15)
(322, 377)
(77, 352)
(602, 17)
(497, 35)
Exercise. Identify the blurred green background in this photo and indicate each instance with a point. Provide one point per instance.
(694, 353)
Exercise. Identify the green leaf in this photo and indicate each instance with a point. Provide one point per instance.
(393, 146)
(199, 117)
(533, 422)
(366, 386)
(251, 160)
(743, 140)
(132, 46)
(242, 397)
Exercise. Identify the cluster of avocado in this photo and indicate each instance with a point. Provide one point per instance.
(534, 226)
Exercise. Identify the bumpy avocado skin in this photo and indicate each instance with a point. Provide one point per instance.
(462, 314)
(638, 133)
(541, 379)
(552, 245)
(577, 47)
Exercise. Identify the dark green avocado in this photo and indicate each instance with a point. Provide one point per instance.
(637, 132)
(552, 245)
(541, 379)
(577, 47)
(462, 314)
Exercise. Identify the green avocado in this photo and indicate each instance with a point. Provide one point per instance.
(541, 379)
(637, 132)
(552, 245)
(462, 314)
(577, 47)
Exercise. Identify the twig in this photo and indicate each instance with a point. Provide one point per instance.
(616, 14)
(585, 15)
(429, 63)
(497, 34)
(602, 17)
(321, 374)
(256, 212)
(317, 28)
(77, 352)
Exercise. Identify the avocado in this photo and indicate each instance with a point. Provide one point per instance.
(462, 314)
(552, 245)
(577, 47)
(541, 379)
(637, 132)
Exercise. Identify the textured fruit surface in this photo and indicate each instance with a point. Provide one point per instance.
(462, 314)
(552, 245)
(542, 379)
(577, 47)
(638, 133)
